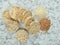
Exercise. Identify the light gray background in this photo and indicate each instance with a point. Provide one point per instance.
(42, 38)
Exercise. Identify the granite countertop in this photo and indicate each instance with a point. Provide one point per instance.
(42, 38)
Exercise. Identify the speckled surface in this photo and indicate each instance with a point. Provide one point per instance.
(42, 38)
